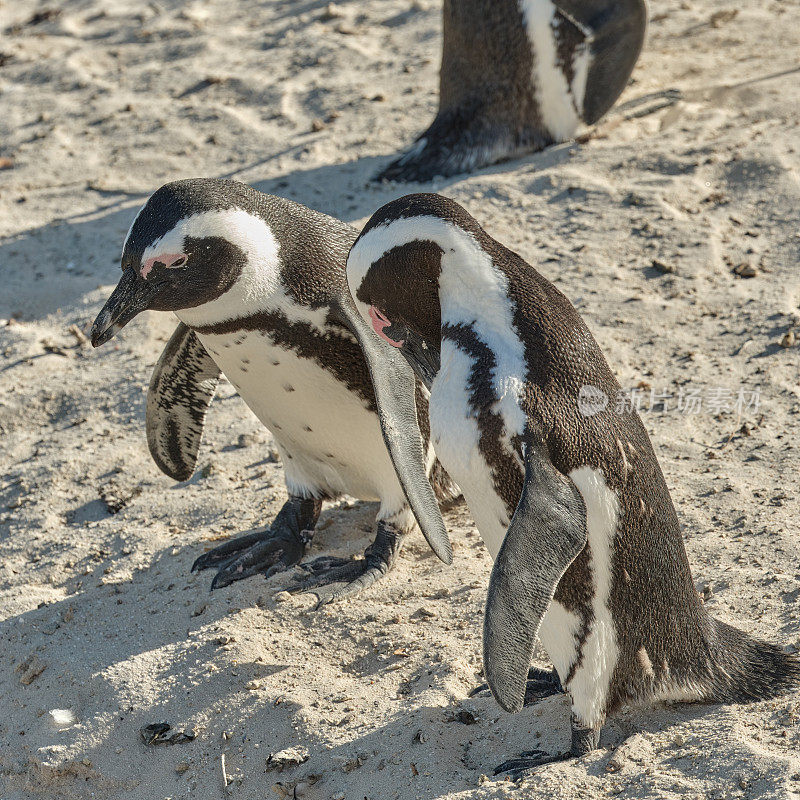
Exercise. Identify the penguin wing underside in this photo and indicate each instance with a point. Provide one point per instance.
(546, 534)
(182, 387)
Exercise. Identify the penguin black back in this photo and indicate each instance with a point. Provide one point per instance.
(571, 501)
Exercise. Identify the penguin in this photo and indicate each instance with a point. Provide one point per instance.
(520, 75)
(258, 284)
(564, 488)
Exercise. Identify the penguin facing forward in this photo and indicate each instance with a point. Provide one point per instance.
(258, 284)
(568, 496)
(520, 75)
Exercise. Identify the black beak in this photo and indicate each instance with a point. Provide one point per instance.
(131, 297)
(424, 360)
(394, 385)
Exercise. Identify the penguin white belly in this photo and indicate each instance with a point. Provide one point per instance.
(600, 651)
(329, 440)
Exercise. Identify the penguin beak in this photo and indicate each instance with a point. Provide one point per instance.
(424, 360)
(132, 296)
(395, 390)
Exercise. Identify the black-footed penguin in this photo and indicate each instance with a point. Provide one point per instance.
(258, 283)
(519, 75)
(566, 493)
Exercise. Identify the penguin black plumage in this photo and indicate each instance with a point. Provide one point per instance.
(520, 75)
(568, 496)
(259, 285)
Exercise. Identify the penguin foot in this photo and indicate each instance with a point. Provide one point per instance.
(332, 579)
(269, 551)
(584, 740)
(263, 551)
(541, 683)
(530, 759)
(339, 581)
(459, 140)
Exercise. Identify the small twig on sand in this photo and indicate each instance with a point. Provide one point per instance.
(224, 773)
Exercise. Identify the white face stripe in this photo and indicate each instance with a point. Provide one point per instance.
(378, 241)
(554, 95)
(259, 287)
(468, 275)
(260, 275)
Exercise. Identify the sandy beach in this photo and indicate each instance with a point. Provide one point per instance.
(674, 232)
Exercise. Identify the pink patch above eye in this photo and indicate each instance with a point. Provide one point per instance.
(379, 323)
(169, 260)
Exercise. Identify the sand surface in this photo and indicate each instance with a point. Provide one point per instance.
(649, 227)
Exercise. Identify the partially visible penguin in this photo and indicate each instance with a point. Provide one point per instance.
(519, 75)
(566, 493)
(258, 283)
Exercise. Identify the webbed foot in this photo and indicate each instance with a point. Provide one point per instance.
(584, 740)
(273, 550)
(332, 579)
(541, 683)
(530, 759)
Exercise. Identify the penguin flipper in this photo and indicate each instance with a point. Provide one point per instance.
(614, 32)
(181, 389)
(395, 395)
(546, 534)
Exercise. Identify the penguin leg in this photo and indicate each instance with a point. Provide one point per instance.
(541, 683)
(333, 578)
(584, 740)
(273, 550)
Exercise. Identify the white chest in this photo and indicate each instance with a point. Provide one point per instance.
(456, 439)
(560, 102)
(329, 439)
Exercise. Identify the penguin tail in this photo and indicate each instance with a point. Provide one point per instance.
(745, 669)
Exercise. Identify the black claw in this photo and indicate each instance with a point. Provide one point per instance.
(266, 551)
(530, 759)
(332, 578)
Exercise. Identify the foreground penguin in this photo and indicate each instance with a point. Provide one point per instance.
(519, 75)
(259, 285)
(567, 494)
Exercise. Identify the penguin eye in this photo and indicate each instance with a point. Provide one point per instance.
(179, 262)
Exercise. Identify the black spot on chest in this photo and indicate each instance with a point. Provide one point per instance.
(332, 350)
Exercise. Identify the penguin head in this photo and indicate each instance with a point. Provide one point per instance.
(194, 243)
(393, 273)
